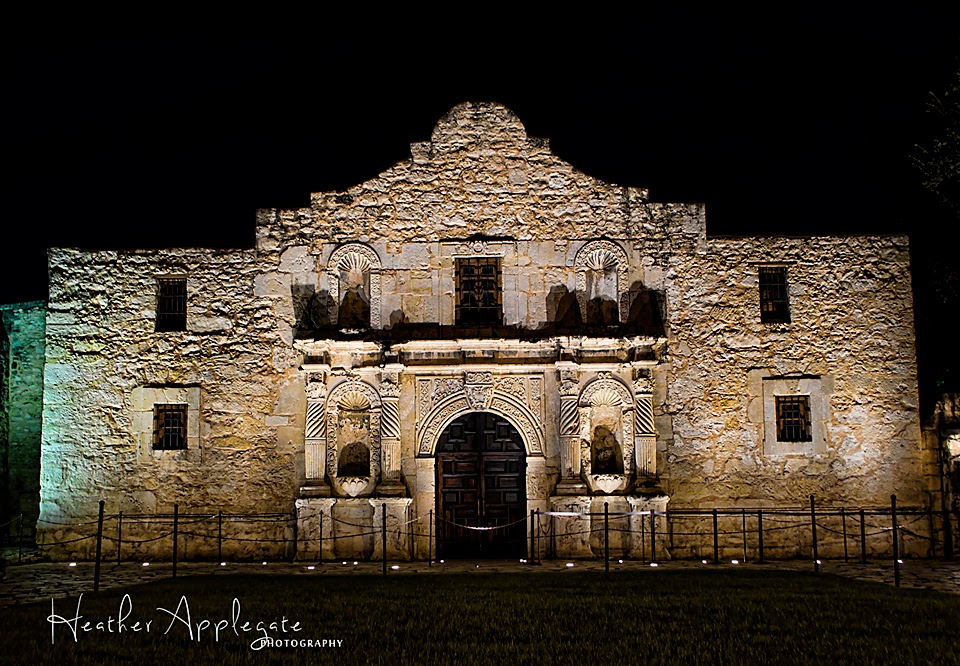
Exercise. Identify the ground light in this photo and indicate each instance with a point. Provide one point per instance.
(738, 562)
(146, 564)
(72, 564)
(395, 567)
(223, 564)
(311, 568)
(569, 565)
(654, 564)
(264, 564)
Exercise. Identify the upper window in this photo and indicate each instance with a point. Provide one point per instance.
(171, 304)
(774, 303)
(793, 418)
(478, 291)
(169, 427)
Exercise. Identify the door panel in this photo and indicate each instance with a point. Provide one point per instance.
(481, 468)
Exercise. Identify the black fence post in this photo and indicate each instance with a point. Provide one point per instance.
(430, 541)
(947, 533)
(606, 537)
(383, 534)
(539, 536)
(743, 515)
(863, 537)
(653, 536)
(760, 535)
(220, 536)
(896, 541)
(96, 565)
(176, 520)
(843, 518)
(813, 527)
(716, 539)
(530, 553)
(296, 536)
(20, 538)
(320, 550)
(643, 538)
(119, 535)
(933, 533)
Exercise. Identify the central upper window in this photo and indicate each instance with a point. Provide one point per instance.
(479, 292)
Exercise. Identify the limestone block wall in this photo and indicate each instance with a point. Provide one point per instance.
(105, 361)
(480, 186)
(21, 399)
(850, 334)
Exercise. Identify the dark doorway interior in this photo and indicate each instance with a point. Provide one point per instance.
(481, 483)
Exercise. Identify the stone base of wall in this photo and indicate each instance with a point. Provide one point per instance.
(333, 528)
(199, 538)
(577, 527)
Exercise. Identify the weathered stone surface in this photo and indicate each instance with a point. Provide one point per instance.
(599, 287)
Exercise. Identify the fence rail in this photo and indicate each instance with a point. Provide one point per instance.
(710, 535)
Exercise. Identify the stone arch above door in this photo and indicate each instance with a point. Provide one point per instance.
(474, 398)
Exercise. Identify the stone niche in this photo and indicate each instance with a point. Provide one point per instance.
(606, 435)
(353, 439)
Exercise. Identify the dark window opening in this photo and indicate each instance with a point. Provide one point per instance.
(172, 304)
(169, 427)
(774, 304)
(793, 418)
(478, 292)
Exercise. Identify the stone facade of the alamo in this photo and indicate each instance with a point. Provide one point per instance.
(479, 332)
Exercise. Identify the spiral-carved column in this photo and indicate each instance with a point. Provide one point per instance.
(568, 430)
(645, 431)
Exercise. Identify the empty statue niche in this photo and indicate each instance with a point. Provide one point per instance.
(602, 302)
(354, 276)
(606, 456)
(353, 438)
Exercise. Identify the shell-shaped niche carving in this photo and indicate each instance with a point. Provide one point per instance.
(601, 260)
(606, 397)
(353, 262)
(354, 401)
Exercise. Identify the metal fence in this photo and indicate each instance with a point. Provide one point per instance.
(709, 535)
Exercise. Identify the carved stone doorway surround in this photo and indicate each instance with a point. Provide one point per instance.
(442, 398)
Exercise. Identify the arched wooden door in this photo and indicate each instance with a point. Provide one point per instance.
(481, 483)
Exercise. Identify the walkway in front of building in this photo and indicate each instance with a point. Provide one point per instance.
(39, 581)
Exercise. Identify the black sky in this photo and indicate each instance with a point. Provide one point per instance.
(797, 123)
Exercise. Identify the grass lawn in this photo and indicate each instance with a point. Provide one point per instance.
(640, 617)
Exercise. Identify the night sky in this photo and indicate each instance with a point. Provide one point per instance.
(802, 124)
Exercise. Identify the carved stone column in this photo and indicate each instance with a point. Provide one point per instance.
(425, 500)
(569, 431)
(645, 432)
(315, 449)
(390, 483)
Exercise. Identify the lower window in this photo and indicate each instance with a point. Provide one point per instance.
(793, 418)
(169, 427)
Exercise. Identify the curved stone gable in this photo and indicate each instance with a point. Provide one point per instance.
(480, 174)
(478, 124)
